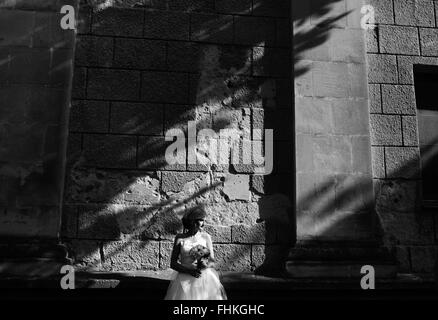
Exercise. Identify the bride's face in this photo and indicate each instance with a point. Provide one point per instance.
(197, 225)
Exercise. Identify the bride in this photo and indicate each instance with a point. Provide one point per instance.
(192, 259)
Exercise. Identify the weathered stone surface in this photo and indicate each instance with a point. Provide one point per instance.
(192, 5)
(97, 222)
(231, 213)
(165, 253)
(271, 62)
(372, 41)
(399, 40)
(375, 99)
(396, 195)
(356, 111)
(254, 31)
(236, 187)
(385, 130)
(313, 115)
(161, 25)
(384, 10)
(151, 154)
(164, 224)
(398, 99)
(89, 116)
(165, 87)
(113, 84)
(233, 6)
(212, 28)
(130, 255)
(414, 12)
(405, 66)
(378, 157)
(410, 133)
(137, 118)
(403, 258)
(85, 252)
(177, 181)
(382, 68)
(140, 54)
(249, 234)
(268, 258)
(218, 233)
(69, 222)
(429, 41)
(99, 151)
(424, 259)
(94, 51)
(402, 162)
(118, 22)
(232, 257)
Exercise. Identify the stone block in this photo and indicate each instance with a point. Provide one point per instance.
(399, 40)
(303, 78)
(137, 118)
(220, 234)
(399, 99)
(74, 147)
(192, 5)
(97, 222)
(410, 133)
(151, 154)
(99, 149)
(250, 234)
(255, 31)
(175, 181)
(130, 255)
(350, 117)
(79, 83)
(382, 68)
(414, 13)
(375, 99)
(140, 54)
(384, 11)
(165, 253)
(357, 78)
(402, 162)
(396, 196)
(184, 56)
(212, 28)
(161, 25)
(232, 257)
(314, 192)
(313, 116)
(233, 6)
(113, 84)
(268, 258)
(118, 22)
(385, 130)
(16, 27)
(347, 45)
(29, 66)
(361, 154)
(378, 162)
(406, 69)
(424, 259)
(332, 154)
(89, 116)
(330, 79)
(353, 193)
(164, 87)
(429, 41)
(84, 20)
(85, 252)
(236, 187)
(232, 213)
(162, 225)
(372, 40)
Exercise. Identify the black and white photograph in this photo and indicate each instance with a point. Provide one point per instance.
(246, 152)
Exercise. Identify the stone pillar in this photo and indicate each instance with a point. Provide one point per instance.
(36, 63)
(336, 223)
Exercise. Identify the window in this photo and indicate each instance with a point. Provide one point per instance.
(426, 92)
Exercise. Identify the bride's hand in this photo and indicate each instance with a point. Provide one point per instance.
(195, 273)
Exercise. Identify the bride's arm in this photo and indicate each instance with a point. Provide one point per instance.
(210, 247)
(175, 265)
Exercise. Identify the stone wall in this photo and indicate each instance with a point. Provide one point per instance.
(143, 69)
(406, 35)
(36, 70)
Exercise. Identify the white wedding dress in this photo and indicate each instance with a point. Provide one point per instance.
(186, 287)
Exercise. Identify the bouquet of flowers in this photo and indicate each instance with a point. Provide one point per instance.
(201, 256)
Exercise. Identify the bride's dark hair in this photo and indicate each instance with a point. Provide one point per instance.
(193, 214)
